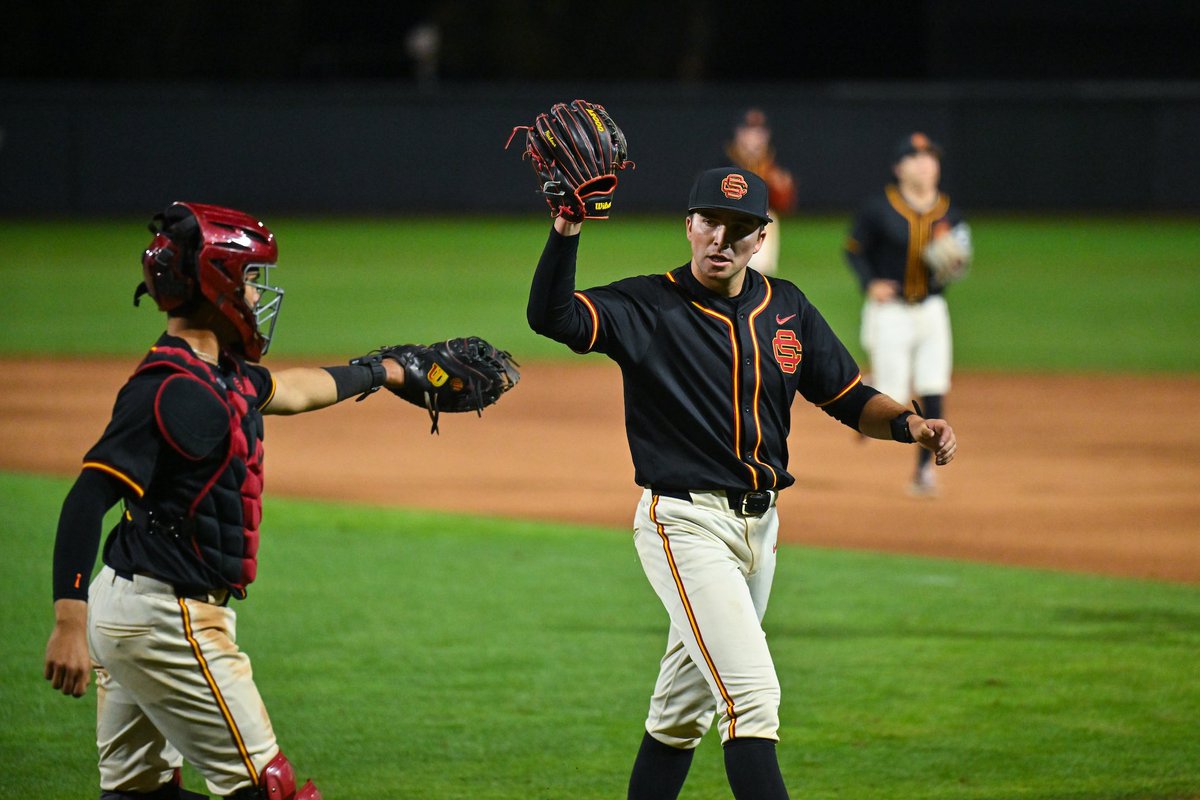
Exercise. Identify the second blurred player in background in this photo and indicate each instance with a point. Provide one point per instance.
(893, 248)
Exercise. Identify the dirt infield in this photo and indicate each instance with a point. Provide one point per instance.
(1096, 474)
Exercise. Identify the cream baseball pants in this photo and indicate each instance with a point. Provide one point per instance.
(171, 684)
(712, 569)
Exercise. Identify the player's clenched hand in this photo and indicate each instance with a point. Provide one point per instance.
(935, 435)
(68, 667)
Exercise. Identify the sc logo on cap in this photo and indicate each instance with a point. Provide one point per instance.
(734, 186)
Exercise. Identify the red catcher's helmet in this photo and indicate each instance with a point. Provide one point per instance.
(207, 251)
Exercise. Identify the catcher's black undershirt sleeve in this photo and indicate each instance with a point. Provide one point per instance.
(553, 311)
(79, 528)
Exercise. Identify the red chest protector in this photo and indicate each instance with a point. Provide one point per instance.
(208, 481)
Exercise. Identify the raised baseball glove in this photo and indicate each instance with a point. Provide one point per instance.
(949, 254)
(576, 150)
(464, 374)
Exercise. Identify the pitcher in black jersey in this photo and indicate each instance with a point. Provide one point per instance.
(184, 453)
(712, 354)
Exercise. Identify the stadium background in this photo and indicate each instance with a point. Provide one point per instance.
(431, 640)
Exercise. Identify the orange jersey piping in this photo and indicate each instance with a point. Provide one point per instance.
(116, 473)
(758, 384)
(737, 417)
(595, 320)
(916, 285)
(270, 395)
(836, 397)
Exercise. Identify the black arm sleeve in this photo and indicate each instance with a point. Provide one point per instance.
(357, 379)
(79, 528)
(553, 310)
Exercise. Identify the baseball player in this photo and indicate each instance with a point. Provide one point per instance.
(905, 320)
(184, 454)
(711, 355)
(751, 149)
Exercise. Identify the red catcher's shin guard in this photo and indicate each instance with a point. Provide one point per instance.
(279, 782)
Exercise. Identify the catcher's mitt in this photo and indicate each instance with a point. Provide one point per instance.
(949, 255)
(465, 374)
(576, 150)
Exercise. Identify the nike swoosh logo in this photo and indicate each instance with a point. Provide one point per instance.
(780, 320)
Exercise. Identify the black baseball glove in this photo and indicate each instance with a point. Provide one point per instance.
(576, 151)
(465, 374)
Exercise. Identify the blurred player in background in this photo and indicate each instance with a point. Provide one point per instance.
(751, 149)
(907, 244)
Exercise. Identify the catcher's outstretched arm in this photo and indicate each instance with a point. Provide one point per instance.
(303, 389)
(553, 310)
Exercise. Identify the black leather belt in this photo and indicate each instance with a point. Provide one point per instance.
(748, 504)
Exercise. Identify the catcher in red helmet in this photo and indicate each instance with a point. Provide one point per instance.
(183, 453)
(214, 262)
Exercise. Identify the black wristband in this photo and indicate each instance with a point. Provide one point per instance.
(900, 430)
(361, 377)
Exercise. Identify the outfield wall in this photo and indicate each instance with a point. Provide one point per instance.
(87, 150)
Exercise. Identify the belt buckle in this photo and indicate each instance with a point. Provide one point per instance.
(755, 504)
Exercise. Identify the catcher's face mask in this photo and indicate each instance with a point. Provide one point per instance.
(264, 299)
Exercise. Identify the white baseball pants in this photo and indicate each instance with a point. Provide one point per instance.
(909, 346)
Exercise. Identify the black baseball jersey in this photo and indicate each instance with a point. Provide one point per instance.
(888, 237)
(185, 445)
(708, 380)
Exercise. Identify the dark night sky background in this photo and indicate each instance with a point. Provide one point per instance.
(701, 41)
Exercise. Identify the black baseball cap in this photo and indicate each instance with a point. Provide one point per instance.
(730, 189)
(916, 143)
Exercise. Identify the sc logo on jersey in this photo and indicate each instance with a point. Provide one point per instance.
(788, 350)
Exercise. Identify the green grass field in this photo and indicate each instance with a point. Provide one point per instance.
(1061, 294)
(439, 656)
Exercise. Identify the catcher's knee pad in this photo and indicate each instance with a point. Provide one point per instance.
(278, 782)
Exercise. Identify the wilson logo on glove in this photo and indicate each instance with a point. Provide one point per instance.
(437, 376)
